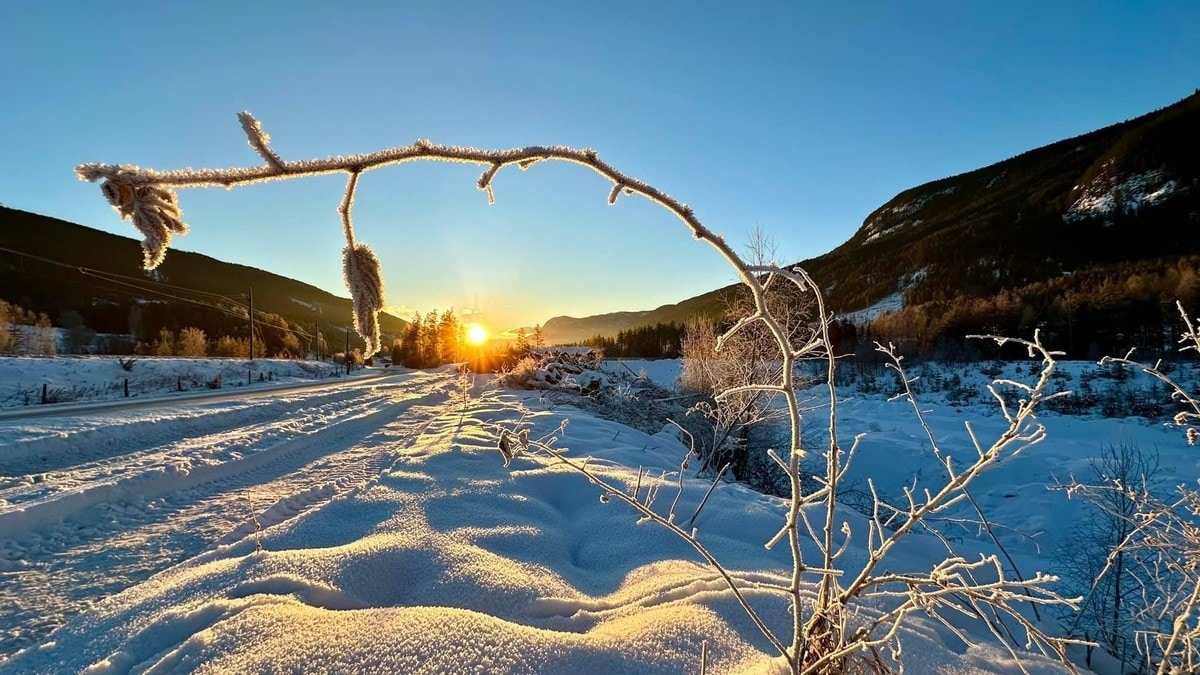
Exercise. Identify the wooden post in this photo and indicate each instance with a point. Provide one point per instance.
(251, 313)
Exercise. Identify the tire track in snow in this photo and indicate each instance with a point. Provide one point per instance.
(96, 436)
(75, 554)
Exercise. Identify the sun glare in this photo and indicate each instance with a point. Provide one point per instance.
(476, 334)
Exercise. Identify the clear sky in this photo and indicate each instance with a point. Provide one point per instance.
(799, 117)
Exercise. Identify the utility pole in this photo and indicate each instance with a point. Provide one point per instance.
(251, 295)
(317, 338)
(347, 351)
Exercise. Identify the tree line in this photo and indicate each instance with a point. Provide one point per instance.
(431, 340)
(661, 340)
(161, 329)
(1086, 315)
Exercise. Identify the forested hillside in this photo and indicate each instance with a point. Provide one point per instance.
(1091, 239)
(54, 267)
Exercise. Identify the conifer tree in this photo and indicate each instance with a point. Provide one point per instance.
(522, 344)
(448, 346)
(430, 352)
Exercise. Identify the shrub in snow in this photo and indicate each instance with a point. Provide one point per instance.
(7, 342)
(1114, 590)
(547, 369)
(1145, 599)
(737, 429)
(192, 343)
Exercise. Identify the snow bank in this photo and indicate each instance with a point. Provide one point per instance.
(663, 372)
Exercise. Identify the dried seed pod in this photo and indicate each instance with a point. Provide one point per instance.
(153, 210)
(505, 446)
(364, 280)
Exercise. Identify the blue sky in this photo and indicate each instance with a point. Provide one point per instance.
(797, 117)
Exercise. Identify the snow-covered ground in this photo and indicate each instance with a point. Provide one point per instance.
(663, 372)
(393, 539)
(101, 378)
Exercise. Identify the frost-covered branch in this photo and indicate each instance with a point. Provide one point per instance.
(1162, 536)
(148, 198)
(896, 363)
(1189, 418)
(823, 640)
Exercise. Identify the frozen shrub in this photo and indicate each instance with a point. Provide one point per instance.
(192, 343)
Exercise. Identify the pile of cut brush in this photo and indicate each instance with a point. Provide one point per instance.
(571, 370)
(607, 388)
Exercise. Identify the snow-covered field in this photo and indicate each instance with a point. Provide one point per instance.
(101, 378)
(393, 539)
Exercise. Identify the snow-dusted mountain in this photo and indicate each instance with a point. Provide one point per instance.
(1057, 221)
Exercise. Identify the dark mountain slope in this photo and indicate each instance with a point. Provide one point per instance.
(564, 329)
(1124, 195)
(110, 303)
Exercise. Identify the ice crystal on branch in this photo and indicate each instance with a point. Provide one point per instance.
(259, 139)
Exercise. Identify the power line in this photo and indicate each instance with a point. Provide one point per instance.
(113, 275)
(141, 287)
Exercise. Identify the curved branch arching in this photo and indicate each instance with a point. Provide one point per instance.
(820, 642)
(116, 177)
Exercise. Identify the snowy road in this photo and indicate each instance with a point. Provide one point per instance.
(75, 409)
(122, 494)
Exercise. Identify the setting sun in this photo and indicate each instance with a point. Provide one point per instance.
(476, 334)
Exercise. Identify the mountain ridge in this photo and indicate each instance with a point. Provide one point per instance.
(52, 265)
(1118, 194)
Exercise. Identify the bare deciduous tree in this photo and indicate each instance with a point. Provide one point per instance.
(1094, 561)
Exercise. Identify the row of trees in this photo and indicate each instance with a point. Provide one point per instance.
(437, 339)
(26, 332)
(431, 340)
(661, 340)
(274, 335)
(1085, 315)
(191, 342)
(527, 340)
